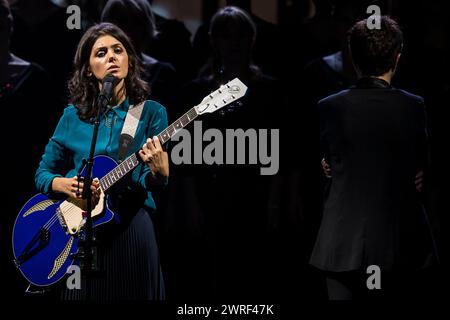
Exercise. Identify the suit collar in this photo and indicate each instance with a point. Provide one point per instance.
(372, 83)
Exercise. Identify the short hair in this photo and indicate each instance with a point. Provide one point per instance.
(135, 17)
(374, 51)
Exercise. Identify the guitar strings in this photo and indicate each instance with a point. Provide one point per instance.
(54, 218)
(69, 212)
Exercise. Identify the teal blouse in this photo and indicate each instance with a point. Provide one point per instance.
(71, 141)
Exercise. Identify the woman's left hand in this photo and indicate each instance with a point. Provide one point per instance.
(155, 157)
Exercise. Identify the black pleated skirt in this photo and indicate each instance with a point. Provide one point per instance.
(129, 266)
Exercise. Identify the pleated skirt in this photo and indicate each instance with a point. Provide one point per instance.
(129, 267)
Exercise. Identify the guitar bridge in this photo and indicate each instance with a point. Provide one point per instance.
(62, 222)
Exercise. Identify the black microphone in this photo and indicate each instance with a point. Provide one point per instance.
(108, 84)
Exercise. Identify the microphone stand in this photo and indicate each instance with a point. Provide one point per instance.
(89, 251)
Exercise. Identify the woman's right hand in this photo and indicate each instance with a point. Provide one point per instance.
(74, 189)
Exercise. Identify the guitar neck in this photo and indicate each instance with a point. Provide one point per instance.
(133, 161)
(179, 124)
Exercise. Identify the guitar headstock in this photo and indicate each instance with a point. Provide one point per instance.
(225, 95)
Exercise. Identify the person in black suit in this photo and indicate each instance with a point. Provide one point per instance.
(374, 139)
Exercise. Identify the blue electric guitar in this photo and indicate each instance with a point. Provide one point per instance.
(46, 231)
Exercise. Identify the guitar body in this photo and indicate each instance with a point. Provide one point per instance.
(39, 231)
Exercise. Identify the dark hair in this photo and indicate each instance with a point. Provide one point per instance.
(135, 17)
(374, 51)
(220, 24)
(243, 4)
(84, 89)
(220, 20)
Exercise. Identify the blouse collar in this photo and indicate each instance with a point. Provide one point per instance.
(121, 109)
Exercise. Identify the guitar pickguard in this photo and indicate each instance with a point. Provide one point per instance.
(71, 213)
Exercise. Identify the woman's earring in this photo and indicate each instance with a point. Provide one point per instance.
(89, 74)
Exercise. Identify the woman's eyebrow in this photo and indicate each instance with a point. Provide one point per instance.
(111, 46)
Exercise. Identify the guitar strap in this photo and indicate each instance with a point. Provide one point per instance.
(129, 130)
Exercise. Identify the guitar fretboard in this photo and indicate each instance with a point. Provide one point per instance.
(133, 161)
(179, 124)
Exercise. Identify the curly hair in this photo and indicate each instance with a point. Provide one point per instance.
(84, 89)
(374, 51)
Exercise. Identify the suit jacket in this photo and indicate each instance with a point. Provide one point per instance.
(374, 138)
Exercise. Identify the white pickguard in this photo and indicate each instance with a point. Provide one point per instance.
(71, 212)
